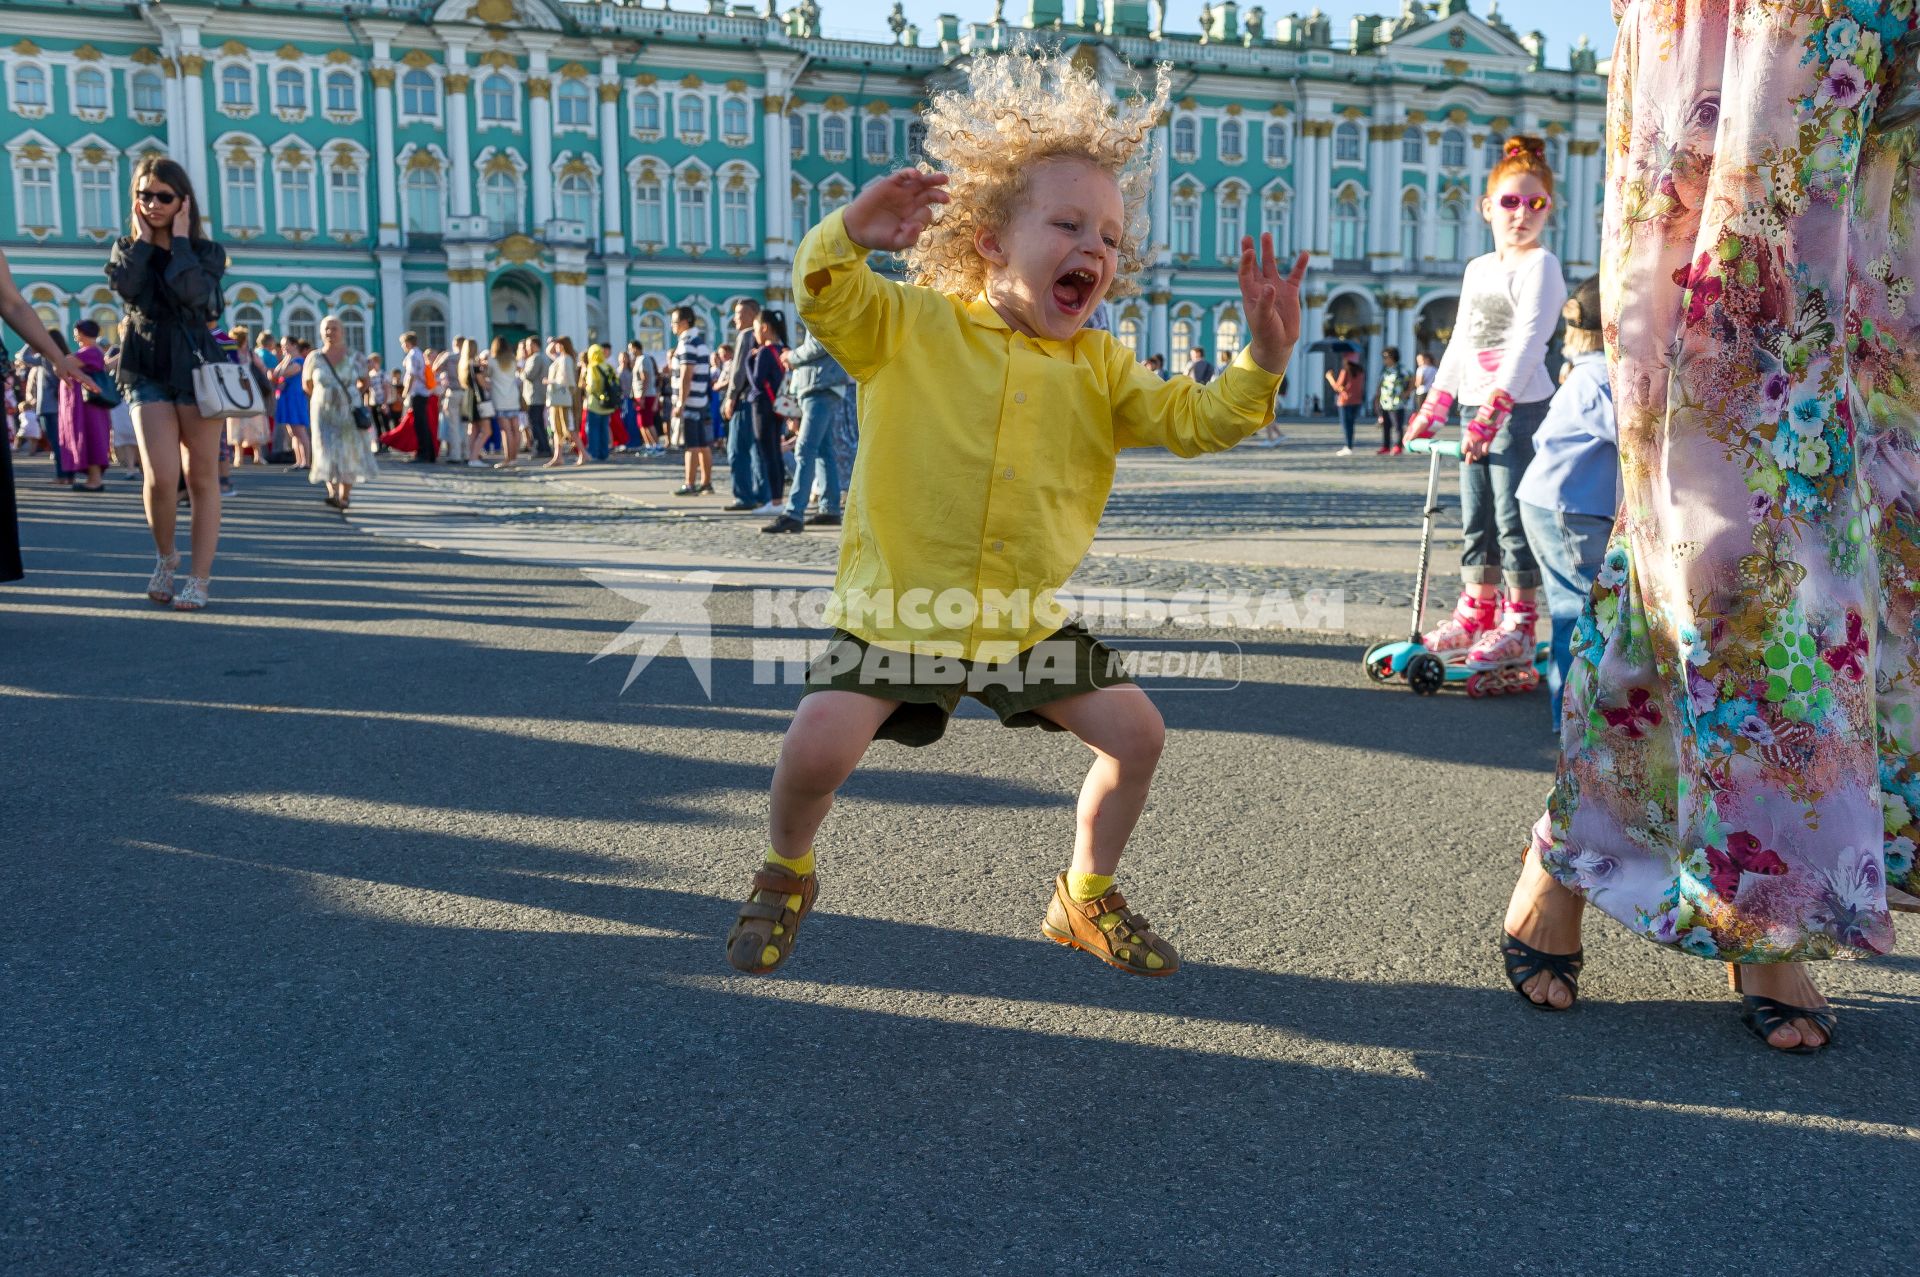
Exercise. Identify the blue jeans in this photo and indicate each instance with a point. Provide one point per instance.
(743, 459)
(1349, 414)
(598, 438)
(1570, 548)
(819, 417)
(1496, 544)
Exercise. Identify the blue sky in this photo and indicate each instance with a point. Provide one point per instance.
(1562, 20)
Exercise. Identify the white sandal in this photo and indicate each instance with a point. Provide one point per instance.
(160, 584)
(192, 596)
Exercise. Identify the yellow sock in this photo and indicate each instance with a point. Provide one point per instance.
(1085, 887)
(796, 865)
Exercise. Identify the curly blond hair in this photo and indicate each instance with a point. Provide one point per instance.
(1016, 110)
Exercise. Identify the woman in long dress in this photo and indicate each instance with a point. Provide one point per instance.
(20, 316)
(1740, 777)
(290, 408)
(334, 380)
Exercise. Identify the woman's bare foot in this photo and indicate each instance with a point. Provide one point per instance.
(1546, 916)
(1787, 982)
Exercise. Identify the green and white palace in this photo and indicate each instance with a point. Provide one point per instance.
(481, 167)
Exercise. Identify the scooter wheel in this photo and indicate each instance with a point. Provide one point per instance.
(1379, 669)
(1426, 674)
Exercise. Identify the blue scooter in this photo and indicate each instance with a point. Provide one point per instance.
(1409, 661)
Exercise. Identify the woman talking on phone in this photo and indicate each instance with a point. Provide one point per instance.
(168, 274)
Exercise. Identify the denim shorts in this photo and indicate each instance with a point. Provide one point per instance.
(146, 390)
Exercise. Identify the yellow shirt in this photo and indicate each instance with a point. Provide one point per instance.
(985, 456)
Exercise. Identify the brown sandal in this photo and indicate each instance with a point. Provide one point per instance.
(1126, 945)
(766, 921)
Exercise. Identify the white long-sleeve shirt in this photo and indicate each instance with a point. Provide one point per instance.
(1506, 317)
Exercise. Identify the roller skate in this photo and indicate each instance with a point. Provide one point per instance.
(1454, 638)
(1505, 659)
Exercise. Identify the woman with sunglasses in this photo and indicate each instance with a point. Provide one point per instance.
(168, 274)
(1496, 365)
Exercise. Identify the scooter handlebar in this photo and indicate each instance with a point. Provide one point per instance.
(1445, 447)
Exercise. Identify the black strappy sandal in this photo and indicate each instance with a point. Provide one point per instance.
(1765, 1016)
(1525, 962)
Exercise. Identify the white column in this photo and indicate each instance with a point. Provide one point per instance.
(1390, 217)
(1476, 225)
(614, 301)
(1380, 198)
(540, 139)
(1162, 198)
(1429, 224)
(1312, 325)
(613, 239)
(1157, 319)
(393, 306)
(1302, 184)
(1323, 190)
(384, 175)
(776, 177)
(1584, 229)
(193, 88)
(176, 103)
(459, 151)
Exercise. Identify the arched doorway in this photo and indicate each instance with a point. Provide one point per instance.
(513, 306)
(1433, 326)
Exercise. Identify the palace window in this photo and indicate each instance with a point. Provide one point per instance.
(1349, 228)
(236, 88)
(250, 317)
(1226, 339)
(100, 210)
(90, 90)
(1185, 241)
(834, 195)
(38, 196)
(149, 95)
(578, 203)
(1413, 148)
(797, 133)
(736, 217)
(691, 111)
(1184, 335)
(1231, 223)
(301, 323)
(419, 97)
(496, 99)
(573, 105)
(1233, 143)
(733, 119)
(428, 322)
(1276, 139)
(296, 196)
(343, 97)
(30, 88)
(878, 140)
(799, 214)
(1412, 208)
(649, 211)
(1186, 138)
(1448, 242)
(1453, 149)
(353, 328)
(1132, 335)
(833, 136)
(240, 192)
(290, 91)
(500, 204)
(425, 201)
(695, 233)
(1346, 143)
(916, 141)
(346, 200)
(1276, 219)
(646, 112)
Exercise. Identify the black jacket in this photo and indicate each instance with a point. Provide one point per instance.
(171, 296)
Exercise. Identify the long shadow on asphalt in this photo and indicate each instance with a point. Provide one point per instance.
(363, 964)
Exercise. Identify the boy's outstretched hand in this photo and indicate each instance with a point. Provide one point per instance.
(1272, 304)
(890, 214)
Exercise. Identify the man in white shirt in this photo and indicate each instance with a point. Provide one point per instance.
(413, 364)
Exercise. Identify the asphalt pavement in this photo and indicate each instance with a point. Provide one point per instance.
(362, 924)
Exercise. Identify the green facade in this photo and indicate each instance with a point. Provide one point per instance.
(477, 167)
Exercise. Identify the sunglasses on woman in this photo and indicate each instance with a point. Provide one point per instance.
(162, 198)
(1534, 203)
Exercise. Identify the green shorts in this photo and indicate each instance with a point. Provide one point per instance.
(1065, 663)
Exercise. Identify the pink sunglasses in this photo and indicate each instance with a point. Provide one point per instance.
(1536, 203)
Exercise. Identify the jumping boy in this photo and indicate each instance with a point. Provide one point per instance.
(990, 421)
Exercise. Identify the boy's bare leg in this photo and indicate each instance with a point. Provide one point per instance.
(829, 735)
(1126, 734)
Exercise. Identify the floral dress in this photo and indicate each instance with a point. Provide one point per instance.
(342, 452)
(1740, 771)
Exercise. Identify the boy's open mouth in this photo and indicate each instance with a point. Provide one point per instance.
(1073, 290)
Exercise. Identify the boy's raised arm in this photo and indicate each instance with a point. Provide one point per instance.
(858, 316)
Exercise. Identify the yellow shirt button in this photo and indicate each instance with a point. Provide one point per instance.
(1007, 473)
(998, 546)
(1019, 396)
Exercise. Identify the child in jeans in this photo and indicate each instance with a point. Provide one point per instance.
(1496, 364)
(1572, 489)
(990, 421)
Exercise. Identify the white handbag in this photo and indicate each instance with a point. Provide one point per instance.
(226, 390)
(484, 408)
